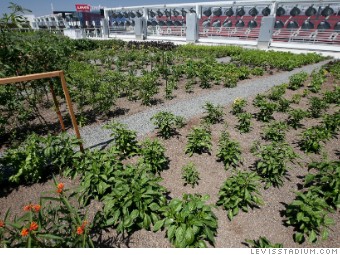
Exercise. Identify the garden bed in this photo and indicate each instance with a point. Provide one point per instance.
(267, 220)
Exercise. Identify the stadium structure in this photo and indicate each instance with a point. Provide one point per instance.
(305, 24)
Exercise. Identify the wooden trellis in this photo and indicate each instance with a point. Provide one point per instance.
(54, 74)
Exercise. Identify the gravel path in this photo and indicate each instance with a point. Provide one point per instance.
(94, 136)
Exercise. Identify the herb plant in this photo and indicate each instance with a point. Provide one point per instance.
(239, 191)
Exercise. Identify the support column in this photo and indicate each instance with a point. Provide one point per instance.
(192, 27)
(140, 28)
(266, 32)
(105, 28)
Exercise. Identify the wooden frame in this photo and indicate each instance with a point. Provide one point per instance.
(54, 74)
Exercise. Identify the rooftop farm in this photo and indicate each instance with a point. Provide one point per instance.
(263, 171)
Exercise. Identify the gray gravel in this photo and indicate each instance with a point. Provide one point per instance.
(94, 136)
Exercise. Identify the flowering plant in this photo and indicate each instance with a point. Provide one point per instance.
(54, 222)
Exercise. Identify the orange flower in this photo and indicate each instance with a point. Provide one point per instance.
(60, 187)
(27, 208)
(2, 224)
(36, 208)
(24, 232)
(80, 230)
(34, 226)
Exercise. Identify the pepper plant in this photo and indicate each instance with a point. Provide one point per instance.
(238, 105)
(244, 123)
(166, 123)
(189, 222)
(125, 140)
(190, 175)
(153, 156)
(199, 141)
(272, 163)
(214, 114)
(239, 191)
(229, 151)
(135, 201)
(308, 214)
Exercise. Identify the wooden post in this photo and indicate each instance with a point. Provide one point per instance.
(70, 108)
(57, 109)
(61, 75)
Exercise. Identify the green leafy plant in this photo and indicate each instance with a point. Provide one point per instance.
(257, 102)
(97, 169)
(316, 106)
(283, 105)
(147, 88)
(331, 122)
(325, 182)
(277, 92)
(52, 223)
(332, 97)
(266, 111)
(239, 191)
(238, 105)
(29, 162)
(190, 175)
(317, 79)
(296, 98)
(166, 123)
(275, 131)
(257, 71)
(229, 151)
(295, 116)
(135, 201)
(263, 242)
(307, 213)
(189, 222)
(272, 165)
(153, 156)
(214, 114)
(125, 140)
(199, 141)
(296, 80)
(244, 123)
(311, 138)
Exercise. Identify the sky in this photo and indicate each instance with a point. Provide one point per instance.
(43, 7)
